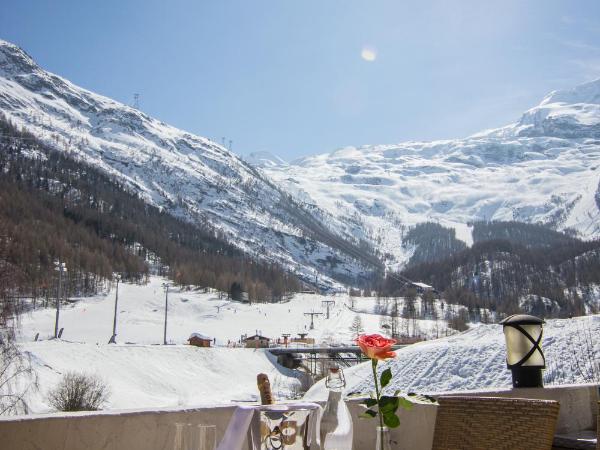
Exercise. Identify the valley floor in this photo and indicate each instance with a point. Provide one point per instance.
(141, 373)
(141, 317)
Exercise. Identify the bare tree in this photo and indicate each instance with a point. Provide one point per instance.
(458, 321)
(79, 392)
(16, 373)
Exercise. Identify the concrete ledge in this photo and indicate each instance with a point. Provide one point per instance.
(152, 429)
(107, 430)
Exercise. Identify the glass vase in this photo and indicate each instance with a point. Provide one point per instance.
(384, 440)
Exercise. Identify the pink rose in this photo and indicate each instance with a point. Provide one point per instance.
(375, 346)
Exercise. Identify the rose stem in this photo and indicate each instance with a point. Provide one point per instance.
(374, 366)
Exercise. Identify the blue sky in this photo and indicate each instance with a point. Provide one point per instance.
(289, 78)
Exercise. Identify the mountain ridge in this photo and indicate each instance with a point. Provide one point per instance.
(543, 169)
(331, 213)
(189, 176)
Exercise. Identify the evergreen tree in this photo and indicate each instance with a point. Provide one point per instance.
(357, 326)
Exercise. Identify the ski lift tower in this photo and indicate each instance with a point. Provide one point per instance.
(327, 303)
(312, 318)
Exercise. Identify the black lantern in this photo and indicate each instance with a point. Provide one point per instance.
(524, 355)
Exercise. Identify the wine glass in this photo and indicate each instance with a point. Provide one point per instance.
(190, 436)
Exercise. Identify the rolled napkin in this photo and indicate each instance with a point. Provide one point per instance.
(237, 429)
(246, 422)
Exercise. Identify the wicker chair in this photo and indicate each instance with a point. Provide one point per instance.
(579, 441)
(484, 423)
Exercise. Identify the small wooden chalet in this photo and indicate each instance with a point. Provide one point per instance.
(200, 340)
(257, 341)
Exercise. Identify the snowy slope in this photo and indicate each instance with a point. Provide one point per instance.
(141, 317)
(544, 168)
(146, 376)
(475, 359)
(264, 159)
(572, 113)
(141, 374)
(188, 175)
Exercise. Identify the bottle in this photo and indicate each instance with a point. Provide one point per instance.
(336, 423)
(264, 387)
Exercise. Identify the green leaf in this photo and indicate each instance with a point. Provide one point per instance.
(369, 402)
(368, 414)
(386, 377)
(388, 404)
(405, 403)
(391, 420)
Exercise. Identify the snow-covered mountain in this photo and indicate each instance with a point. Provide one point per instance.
(264, 159)
(188, 175)
(544, 168)
(573, 113)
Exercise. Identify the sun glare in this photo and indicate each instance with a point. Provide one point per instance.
(368, 54)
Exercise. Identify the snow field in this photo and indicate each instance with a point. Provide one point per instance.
(475, 360)
(141, 374)
(141, 317)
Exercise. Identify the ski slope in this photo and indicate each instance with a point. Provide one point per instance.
(143, 374)
(141, 310)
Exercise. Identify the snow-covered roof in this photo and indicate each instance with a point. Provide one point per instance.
(200, 336)
(422, 285)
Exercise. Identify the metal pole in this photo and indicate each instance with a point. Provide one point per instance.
(116, 303)
(58, 300)
(166, 310)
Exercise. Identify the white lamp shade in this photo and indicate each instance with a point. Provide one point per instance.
(518, 345)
